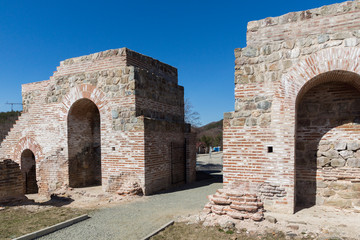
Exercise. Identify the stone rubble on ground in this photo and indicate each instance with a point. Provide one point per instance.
(236, 204)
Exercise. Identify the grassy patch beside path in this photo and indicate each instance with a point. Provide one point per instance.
(182, 231)
(15, 222)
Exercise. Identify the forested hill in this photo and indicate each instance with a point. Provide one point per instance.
(210, 134)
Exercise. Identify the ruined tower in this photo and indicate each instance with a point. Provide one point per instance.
(295, 132)
(113, 118)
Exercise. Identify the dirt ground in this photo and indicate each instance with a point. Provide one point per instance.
(183, 231)
(318, 222)
(86, 198)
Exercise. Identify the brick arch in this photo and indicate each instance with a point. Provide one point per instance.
(292, 84)
(327, 60)
(87, 91)
(28, 143)
(309, 71)
(326, 65)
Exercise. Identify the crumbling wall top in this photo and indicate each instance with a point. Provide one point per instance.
(116, 58)
(326, 19)
(28, 87)
(105, 60)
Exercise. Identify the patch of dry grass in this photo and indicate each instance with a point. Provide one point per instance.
(182, 231)
(17, 221)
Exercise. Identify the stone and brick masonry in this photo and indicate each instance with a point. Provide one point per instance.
(11, 184)
(295, 131)
(109, 118)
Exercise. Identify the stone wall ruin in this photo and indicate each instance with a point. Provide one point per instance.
(107, 119)
(11, 184)
(294, 133)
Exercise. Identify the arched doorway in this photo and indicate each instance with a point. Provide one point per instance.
(28, 170)
(327, 134)
(84, 144)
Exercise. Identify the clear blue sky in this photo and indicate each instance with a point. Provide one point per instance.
(197, 37)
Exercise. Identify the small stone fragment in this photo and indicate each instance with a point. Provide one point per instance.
(257, 217)
(293, 227)
(271, 219)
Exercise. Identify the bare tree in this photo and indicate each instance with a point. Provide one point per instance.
(191, 116)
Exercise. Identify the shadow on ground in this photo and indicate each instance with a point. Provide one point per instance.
(203, 178)
(55, 201)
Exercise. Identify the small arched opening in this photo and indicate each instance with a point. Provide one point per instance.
(28, 170)
(327, 136)
(84, 144)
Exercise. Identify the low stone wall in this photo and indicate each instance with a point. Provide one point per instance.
(236, 204)
(339, 154)
(11, 183)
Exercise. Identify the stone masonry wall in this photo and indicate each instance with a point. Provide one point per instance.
(11, 187)
(116, 81)
(165, 143)
(285, 57)
(327, 138)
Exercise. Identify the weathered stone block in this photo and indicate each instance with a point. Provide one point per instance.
(340, 203)
(338, 186)
(250, 52)
(324, 148)
(349, 194)
(265, 120)
(351, 42)
(323, 161)
(346, 154)
(264, 105)
(328, 193)
(251, 122)
(353, 146)
(331, 154)
(341, 35)
(321, 184)
(340, 145)
(355, 187)
(338, 162)
(357, 154)
(353, 162)
(323, 38)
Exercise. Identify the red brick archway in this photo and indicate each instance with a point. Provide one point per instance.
(302, 77)
(28, 153)
(84, 91)
(28, 143)
(84, 144)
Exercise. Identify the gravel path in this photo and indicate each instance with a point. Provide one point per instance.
(137, 219)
